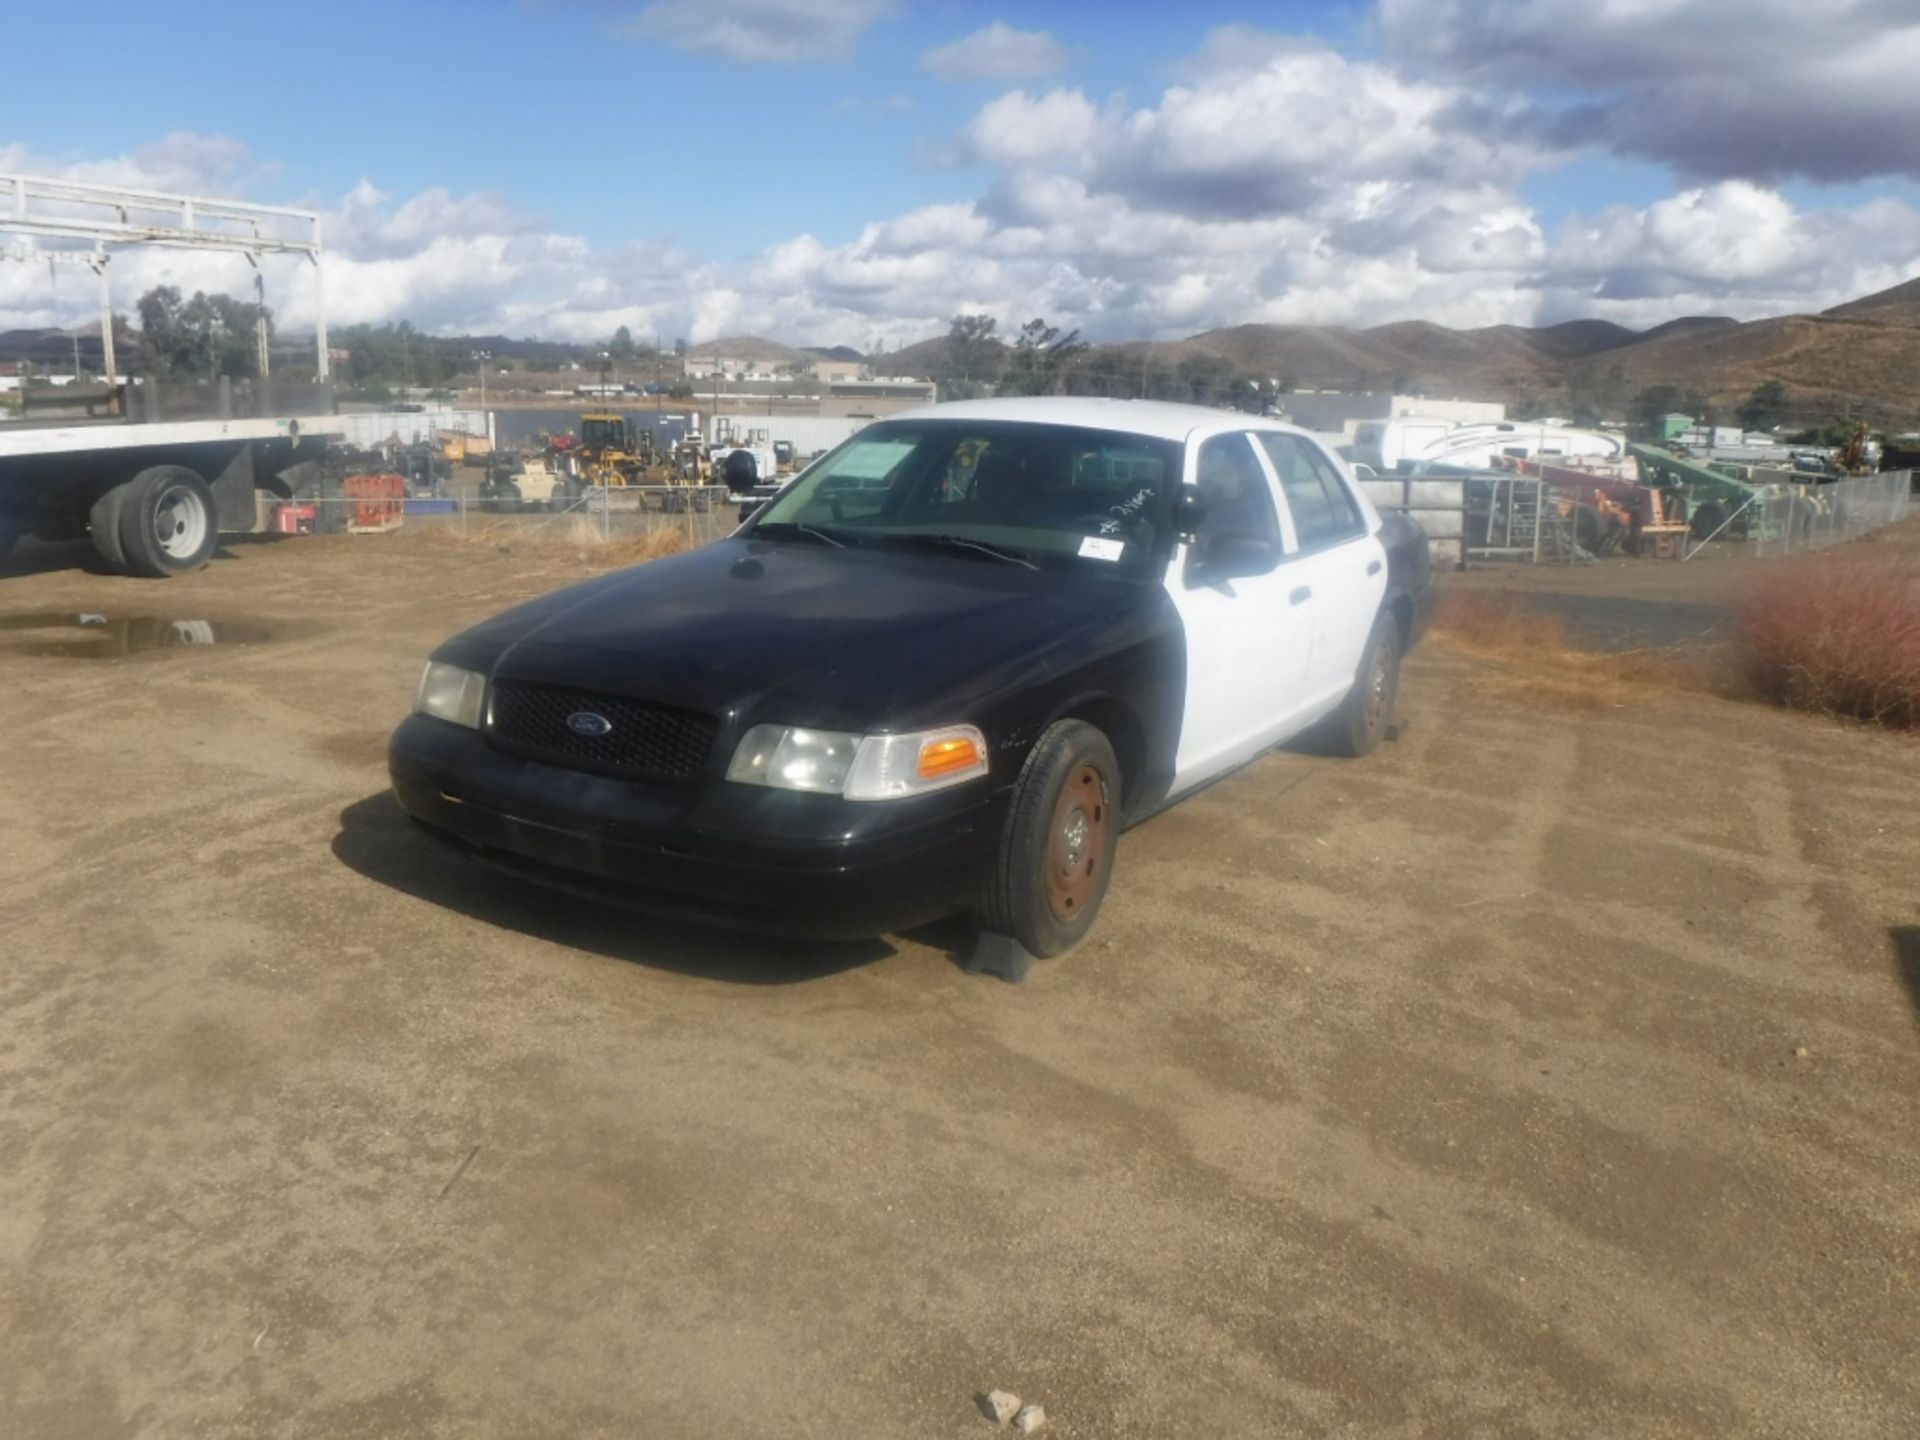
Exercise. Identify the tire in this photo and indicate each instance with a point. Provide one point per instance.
(1707, 519)
(167, 522)
(1361, 722)
(103, 524)
(1056, 854)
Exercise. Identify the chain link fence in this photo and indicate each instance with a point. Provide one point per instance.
(692, 515)
(1518, 518)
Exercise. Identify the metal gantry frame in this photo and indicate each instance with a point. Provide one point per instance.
(113, 215)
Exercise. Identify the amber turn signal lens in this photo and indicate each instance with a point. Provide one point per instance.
(943, 757)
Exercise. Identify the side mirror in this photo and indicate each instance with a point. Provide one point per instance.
(1234, 556)
(1189, 512)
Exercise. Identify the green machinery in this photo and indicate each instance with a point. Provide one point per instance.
(1729, 501)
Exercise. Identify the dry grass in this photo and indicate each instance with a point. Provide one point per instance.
(1528, 651)
(577, 534)
(1837, 634)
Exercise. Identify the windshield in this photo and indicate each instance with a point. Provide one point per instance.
(1022, 493)
(601, 432)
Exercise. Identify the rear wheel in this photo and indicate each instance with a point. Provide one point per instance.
(1056, 855)
(1361, 722)
(166, 522)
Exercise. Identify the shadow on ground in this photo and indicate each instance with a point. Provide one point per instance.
(41, 557)
(1906, 962)
(378, 841)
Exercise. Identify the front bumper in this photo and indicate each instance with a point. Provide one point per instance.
(741, 856)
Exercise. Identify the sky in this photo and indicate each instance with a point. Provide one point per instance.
(859, 171)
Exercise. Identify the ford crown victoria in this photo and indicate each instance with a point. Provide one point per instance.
(942, 670)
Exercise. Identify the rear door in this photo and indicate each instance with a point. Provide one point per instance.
(1247, 637)
(1338, 557)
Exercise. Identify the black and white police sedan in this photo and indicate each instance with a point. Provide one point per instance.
(942, 670)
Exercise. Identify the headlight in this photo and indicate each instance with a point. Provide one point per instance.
(447, 692)
(857, 767)
(794, 759)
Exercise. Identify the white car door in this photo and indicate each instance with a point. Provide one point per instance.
(1339, 557)
(1248, 623)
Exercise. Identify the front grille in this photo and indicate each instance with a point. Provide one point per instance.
(657, 742)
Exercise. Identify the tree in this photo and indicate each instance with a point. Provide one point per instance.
(1651, 405)
(621, 346)
(1042, 358)
(1767, 407)
(207, 336)
(973, 356)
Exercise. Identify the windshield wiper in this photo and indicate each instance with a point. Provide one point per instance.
(794, 527)
(960, 542)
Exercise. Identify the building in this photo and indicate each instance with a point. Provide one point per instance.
(1333, 412)
(708, 367)
(870, 399)
(839, 372)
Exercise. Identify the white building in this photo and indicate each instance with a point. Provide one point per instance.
(1332, 412)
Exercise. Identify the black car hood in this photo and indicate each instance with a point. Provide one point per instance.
(798, 633)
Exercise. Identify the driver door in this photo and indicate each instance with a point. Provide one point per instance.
(1248, 635)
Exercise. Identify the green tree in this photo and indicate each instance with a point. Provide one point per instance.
(1042, 359)
(1767, 406)
(621, 346)
(205, 337)
(1647, 408)
(973, 355)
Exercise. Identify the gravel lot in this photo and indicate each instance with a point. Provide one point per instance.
(1549, 1073)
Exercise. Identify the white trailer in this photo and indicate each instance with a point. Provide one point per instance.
(154, 498)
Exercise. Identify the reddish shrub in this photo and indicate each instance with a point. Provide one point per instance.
(1838, 634)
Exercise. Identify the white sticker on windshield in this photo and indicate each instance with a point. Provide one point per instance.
(1095, 548)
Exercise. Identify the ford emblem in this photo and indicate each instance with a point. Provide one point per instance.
(588, 724)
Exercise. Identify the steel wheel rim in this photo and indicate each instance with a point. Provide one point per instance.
(179, 522)
(1378, 697)
(1077, 837)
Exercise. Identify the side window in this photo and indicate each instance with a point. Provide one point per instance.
(1234, 487)
(1324, 512)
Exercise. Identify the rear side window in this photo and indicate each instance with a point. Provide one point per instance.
(1324, 512)
(1230, 479)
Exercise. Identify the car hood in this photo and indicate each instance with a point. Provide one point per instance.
(805, 634)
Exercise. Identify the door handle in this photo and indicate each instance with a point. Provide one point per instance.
(1300, 596)
(1373, 567)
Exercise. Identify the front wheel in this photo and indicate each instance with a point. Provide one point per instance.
(1361, 722)
(1056, 854)
(167, 522)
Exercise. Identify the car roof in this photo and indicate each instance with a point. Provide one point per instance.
(1159, 418)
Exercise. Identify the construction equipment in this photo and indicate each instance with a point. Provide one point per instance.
(1731, 502)
(613, 454)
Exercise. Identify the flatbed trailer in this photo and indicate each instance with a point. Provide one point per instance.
(153, 497)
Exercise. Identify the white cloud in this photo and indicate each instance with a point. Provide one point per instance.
(1754, 89)
(1019, 129)
(760, 31)
(998, 52)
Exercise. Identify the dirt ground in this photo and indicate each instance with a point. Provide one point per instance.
(1549, 1073)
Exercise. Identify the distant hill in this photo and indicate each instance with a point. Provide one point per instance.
(755, 348)
(1898, 306)
(1864, 353)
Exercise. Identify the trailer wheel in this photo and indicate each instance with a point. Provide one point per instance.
(167, 522)
(103, 522)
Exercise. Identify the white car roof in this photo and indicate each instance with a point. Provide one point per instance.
(1158, 418)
